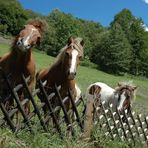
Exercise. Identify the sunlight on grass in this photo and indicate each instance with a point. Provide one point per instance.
(85, 76)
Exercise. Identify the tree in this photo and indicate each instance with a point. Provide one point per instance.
(64, 26)
(11, 18)
(114, 51)
(134, 31)
(120, 50)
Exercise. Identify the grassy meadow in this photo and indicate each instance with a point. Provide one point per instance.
(85, 76)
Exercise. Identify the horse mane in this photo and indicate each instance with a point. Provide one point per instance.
(61, 54)
(41, 25)
(127, 85)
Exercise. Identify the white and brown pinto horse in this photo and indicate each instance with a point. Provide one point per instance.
(62, 73)
(20, 59)
(121, 97)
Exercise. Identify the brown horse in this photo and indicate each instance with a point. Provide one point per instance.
(63, 72)
(20, 60)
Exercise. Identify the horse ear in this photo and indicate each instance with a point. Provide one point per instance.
(82, 43)
(119, 84)
(134, 88)
(70, 40)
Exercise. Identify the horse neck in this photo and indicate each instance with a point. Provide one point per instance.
(56, 74)
(20, 59)
(115, 97)
(71, 84)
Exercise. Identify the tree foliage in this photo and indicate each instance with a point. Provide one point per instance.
(120, 48)
(12, 17)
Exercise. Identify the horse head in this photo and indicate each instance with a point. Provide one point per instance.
(72, 56)
(125, 94)
(30, 35)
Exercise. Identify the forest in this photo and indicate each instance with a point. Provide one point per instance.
(121, 48)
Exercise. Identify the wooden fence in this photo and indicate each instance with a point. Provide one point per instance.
(126, 126)
(108, 121)
(36, 115)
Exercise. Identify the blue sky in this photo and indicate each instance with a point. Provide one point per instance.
(102, 11)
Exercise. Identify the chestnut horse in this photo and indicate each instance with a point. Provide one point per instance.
(62, 73)
(20, 60)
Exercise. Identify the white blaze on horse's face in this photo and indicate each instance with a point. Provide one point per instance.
(27, 38)
(73, 62)
(121, 103)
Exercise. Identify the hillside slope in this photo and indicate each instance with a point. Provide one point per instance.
(87, 75)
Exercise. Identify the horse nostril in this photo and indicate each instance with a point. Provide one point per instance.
(68, 73)
(75, 73)
(28, 46)
(21, 39)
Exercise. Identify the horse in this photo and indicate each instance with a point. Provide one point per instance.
(19, 60)
(62, 73)
(121, 97)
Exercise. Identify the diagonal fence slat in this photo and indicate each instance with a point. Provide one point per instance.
(67, 120)
(16, 98)
(114, 124)
(9, 121)
(75, 110)
(50, 108)
(29, 97)
(130, 128)
(34, 104)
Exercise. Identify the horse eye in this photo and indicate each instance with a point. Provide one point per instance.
(80, 57)
(67, 54)
(24, 27)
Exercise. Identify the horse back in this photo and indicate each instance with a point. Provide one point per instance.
(101, 90)
(41, 74)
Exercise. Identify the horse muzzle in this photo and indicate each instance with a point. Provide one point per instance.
(71, 76)
(21, 46)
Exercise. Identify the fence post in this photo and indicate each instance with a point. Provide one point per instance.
(88, 118)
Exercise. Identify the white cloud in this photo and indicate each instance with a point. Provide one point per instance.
(146, 29)
(146, 1)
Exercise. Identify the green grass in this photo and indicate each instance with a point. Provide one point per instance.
(85, 76)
